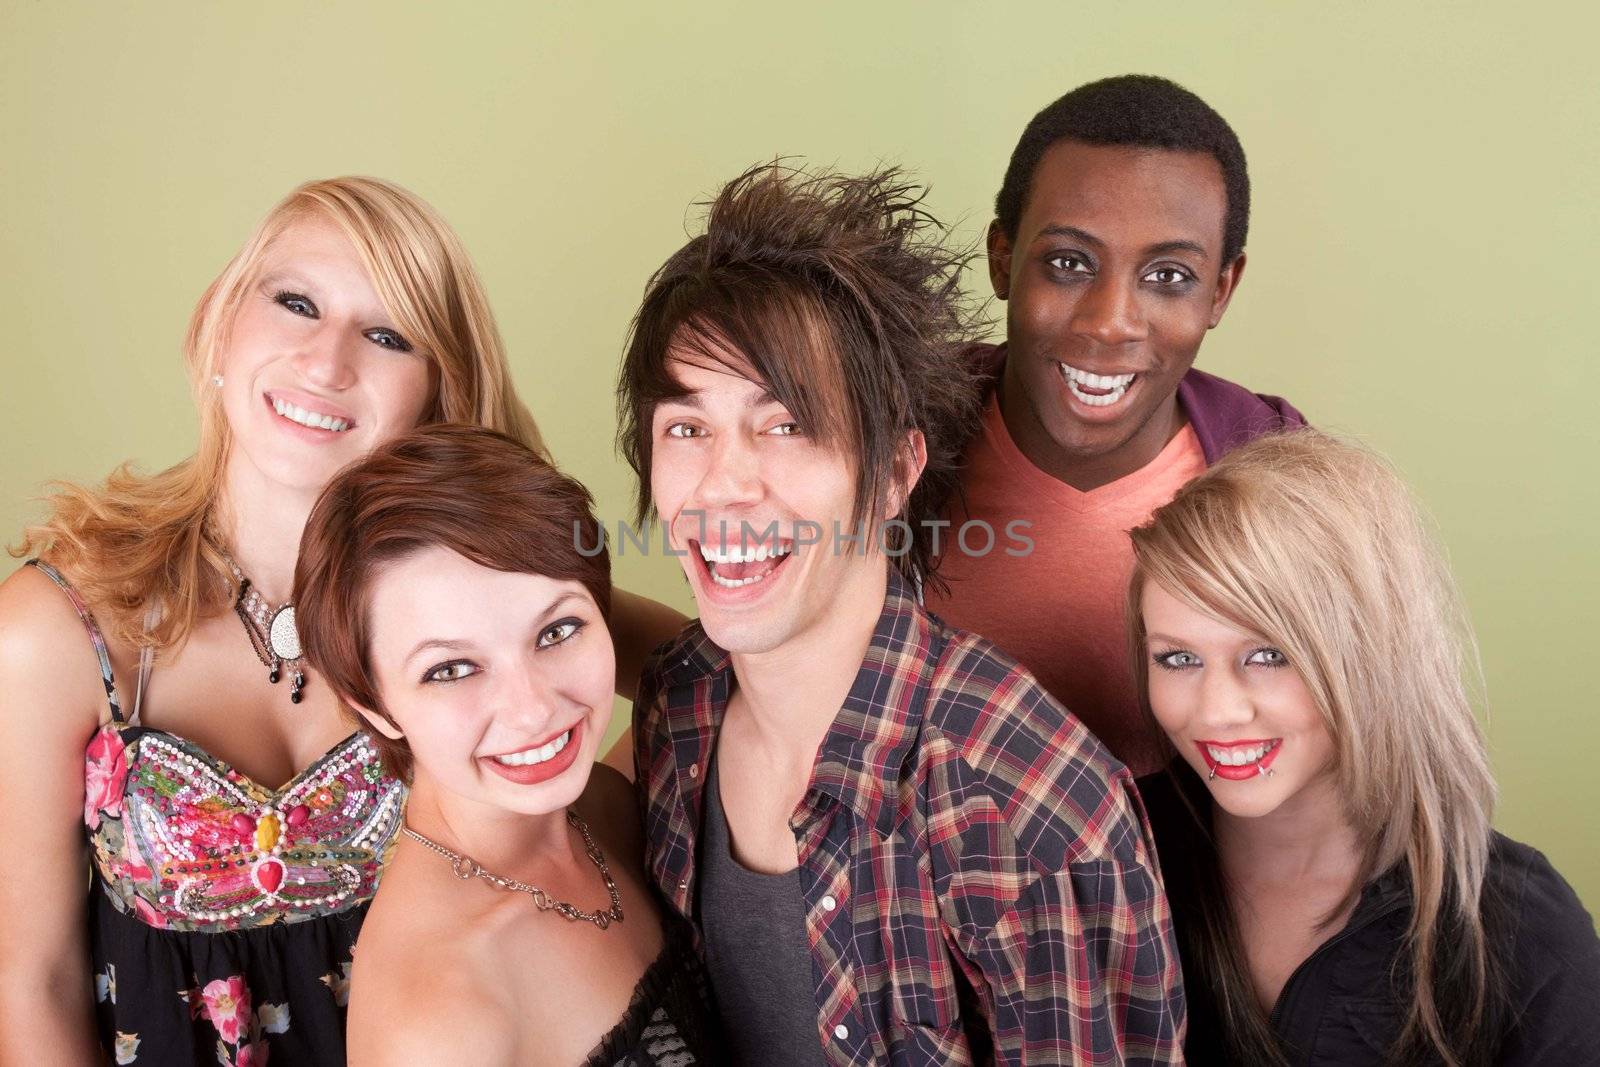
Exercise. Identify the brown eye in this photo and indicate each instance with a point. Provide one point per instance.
(558, 632)
(453, 671)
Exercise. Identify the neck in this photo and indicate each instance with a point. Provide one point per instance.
(789, 696)
(261, 523)
(1306, 838)
(1085, 472)
(502, 842)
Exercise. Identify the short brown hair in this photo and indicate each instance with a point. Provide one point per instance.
(838, 294)
(474, 491)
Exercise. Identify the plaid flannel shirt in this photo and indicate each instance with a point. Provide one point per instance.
(978, 875)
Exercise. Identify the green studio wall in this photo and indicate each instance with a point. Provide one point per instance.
(1420, 270)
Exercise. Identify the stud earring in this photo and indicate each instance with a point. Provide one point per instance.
(216, 380)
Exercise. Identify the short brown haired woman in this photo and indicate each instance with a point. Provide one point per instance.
(444, 593)
(1338, 894)
(237, 825)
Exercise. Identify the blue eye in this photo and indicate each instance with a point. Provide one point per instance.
(388, 339)
(1268, 657)
(296, 303)
(453, 671)
(556, 633)
(1175, 661)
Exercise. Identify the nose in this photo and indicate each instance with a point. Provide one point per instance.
(1225, 701)
(1108, 313)
(531, 700)
(732, 475)
(327, 359)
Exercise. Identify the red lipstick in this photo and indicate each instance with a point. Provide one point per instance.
(533, 773)
(1240, 772)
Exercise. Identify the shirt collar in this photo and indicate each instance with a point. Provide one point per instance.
(865, 752)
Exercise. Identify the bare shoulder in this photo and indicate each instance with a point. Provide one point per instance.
(420, 998)
(435, 1016)
(47, 660)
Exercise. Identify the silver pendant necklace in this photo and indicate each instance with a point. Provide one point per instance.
(271, 631)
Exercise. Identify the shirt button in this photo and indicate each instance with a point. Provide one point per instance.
(842, 1032)
(694, 771)
(828, 903)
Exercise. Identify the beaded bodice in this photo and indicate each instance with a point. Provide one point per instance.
(186, 842)
(183, 841)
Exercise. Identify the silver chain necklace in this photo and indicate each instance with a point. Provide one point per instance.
(466, 868)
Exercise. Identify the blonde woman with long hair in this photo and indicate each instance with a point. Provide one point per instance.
(1338, 892)
(237, 827)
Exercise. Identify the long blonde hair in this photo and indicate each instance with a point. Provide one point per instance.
(1316, 544)
(140, 540)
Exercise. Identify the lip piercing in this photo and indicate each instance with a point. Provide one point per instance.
(1213, 773)
(216, 380)
(1266, 772)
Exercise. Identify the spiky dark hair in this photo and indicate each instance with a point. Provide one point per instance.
(838, 295)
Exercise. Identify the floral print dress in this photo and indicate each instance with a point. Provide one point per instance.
(223, 914)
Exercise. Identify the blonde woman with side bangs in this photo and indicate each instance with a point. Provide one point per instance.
(1338, 892)
(237, 827)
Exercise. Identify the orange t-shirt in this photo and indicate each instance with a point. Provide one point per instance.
(1059, 610)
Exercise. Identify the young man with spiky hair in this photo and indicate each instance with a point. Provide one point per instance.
(1118, 241)
(896, 847)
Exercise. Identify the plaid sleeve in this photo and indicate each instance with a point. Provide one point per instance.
(1081, 970)
(1062, 915)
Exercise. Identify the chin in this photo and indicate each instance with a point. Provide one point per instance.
(742, 636)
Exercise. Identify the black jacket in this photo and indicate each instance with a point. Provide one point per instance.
(1341, 1007)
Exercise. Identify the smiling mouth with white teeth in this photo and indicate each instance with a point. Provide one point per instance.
(736, 566)
(296, 414)
(532, 756)
(1095, 390)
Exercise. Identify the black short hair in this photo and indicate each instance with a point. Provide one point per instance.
(1140, 111)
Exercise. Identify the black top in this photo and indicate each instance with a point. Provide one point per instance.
(1342, 1005)
(668, 1022)
(756, 952)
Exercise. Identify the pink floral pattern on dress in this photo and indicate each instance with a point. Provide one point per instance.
(241, 1034)
(227, 1005)
(185, 842)
(105, 774)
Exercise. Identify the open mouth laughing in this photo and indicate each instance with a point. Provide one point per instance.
(732, 566)
(1095, 390)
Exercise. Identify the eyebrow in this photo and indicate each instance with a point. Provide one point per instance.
(692, 400)
(285, 277)
(1160, 248)
(445, 644)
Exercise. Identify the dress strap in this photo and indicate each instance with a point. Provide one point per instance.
(147, 655)
(95, 637)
